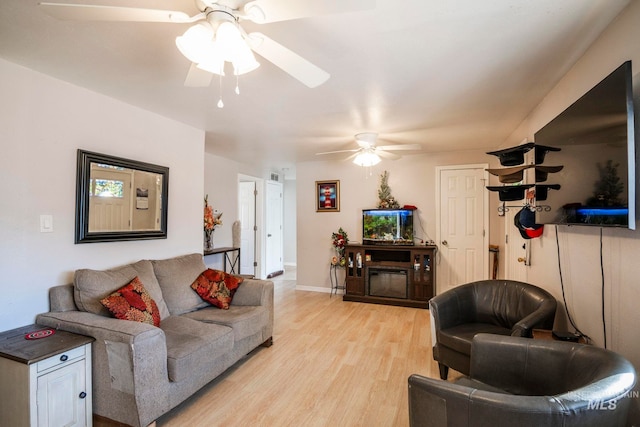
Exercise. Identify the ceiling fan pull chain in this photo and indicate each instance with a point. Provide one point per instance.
(237, 84)
(220, 103)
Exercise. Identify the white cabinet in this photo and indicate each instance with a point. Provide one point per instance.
(45, 382)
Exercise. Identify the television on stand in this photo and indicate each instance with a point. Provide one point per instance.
(387, 227)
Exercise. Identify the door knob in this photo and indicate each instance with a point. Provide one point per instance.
(268, 235)
(520, 259)
(444, 242)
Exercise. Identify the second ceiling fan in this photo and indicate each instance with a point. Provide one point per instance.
(369, 153)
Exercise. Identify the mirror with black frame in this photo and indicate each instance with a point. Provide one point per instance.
(120, 199)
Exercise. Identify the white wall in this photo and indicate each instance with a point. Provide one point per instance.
(412, 181)
(221, 184)
(43, 122)
(290, 220)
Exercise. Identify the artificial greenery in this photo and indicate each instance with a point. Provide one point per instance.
(608, 189)
(386, 200)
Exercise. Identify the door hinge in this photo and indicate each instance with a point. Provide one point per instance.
(506, 239)
(255, 263)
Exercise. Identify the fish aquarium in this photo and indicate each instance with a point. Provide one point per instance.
(387, 226)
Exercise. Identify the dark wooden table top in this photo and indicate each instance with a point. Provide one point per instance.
(14, 345)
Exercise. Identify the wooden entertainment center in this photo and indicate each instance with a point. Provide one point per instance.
(393, 275)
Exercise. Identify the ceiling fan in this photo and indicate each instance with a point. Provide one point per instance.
(369, 154)
(221, 18)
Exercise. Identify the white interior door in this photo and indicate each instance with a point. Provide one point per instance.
(247, 214)
(274, 234)
(110, 201)
(462, 225)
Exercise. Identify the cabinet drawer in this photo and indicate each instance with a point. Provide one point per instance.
(60, 359)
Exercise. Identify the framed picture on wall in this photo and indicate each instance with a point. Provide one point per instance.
(327, 196)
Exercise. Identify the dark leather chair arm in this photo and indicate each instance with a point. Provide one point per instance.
(541, 318)
(524, 366)
(453, 307)
(436, 403)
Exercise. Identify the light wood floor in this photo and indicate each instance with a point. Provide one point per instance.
(333, 363)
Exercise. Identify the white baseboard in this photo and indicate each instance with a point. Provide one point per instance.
(313, 289)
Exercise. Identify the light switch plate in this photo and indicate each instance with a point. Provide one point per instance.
(46, 223)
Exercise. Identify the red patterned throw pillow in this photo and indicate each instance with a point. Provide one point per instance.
(133, 302)
(216, 287)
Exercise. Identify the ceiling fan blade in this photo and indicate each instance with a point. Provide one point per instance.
(338, 151)
(289, 61)
(197, 77)
(86, 12)
(387, 155)
(350, 157)
(284, 10)
(401, 147)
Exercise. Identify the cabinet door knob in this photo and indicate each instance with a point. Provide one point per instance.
(64, 358)
(82, 395)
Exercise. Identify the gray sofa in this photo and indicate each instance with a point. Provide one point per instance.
(141, 371)
(525, 382)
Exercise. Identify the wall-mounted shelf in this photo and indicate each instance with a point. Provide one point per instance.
(539, 208)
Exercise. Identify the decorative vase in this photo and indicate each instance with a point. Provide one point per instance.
(208, 240)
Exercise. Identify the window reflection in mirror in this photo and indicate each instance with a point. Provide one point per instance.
(119, 199)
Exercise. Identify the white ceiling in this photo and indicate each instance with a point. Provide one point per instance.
(448, 75)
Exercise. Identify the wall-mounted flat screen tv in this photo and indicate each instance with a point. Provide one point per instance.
(596, 137)
(387, 226)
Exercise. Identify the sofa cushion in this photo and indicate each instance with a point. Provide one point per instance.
(133, 302)
(192, 346)
(216, 287)
(90, 286)
(244, 320)
(175, 276)
(459, 337)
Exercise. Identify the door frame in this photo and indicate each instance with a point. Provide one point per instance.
(259, 246)
(485, 201)
(279, 187)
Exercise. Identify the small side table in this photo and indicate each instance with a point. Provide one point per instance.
(46, 381)
(335, 283)
(234, 263)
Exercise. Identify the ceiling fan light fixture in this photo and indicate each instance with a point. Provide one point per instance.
(245, 67)
(229, 40)
(213, 64)
(244, 61)
(196, 42)
(366, 158)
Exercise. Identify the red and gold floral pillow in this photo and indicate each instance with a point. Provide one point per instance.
(133, 302)
(216, 287)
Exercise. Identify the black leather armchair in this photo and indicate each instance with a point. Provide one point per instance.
(523, 382)
(503, 307)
